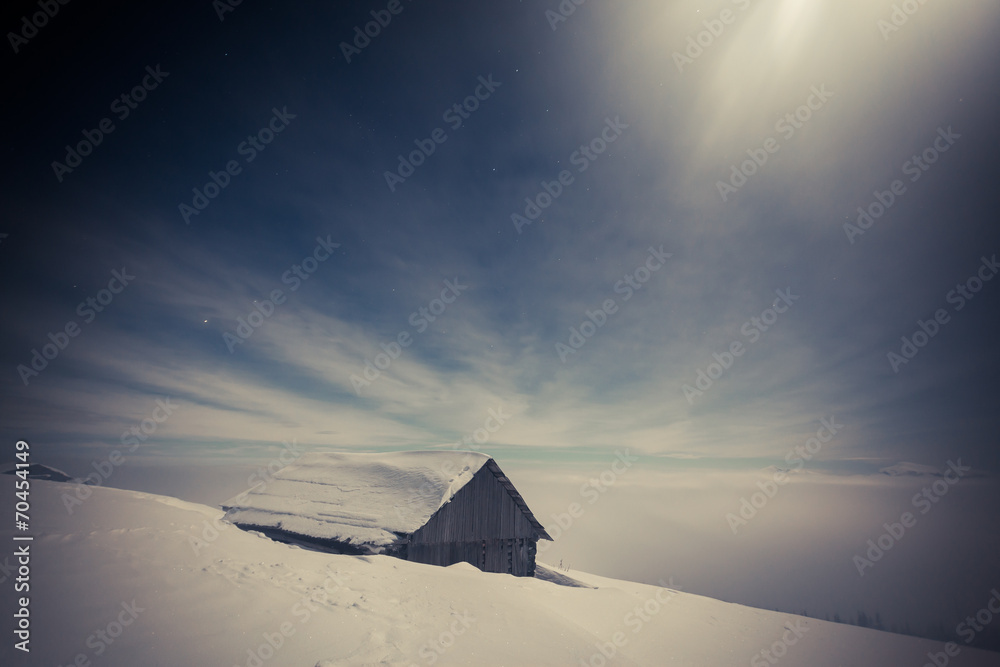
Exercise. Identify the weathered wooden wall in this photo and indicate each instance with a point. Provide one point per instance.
(481, 510)
(482, 525)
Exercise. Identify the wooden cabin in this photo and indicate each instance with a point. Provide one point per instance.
(435, 507)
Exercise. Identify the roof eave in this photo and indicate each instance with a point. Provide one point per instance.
(517, 498)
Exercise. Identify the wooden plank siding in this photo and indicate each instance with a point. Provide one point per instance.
(482, 525)
(481, 510)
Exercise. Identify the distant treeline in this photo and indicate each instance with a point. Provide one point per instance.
(988, 639)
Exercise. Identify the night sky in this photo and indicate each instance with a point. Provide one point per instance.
(552, 237)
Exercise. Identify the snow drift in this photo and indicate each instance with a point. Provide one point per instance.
(137, 579)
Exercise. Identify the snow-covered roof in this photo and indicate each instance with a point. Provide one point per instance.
(356, 498)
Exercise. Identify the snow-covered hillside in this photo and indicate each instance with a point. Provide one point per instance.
(135, 579)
